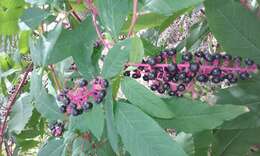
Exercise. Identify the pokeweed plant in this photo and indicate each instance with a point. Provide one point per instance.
(89, 77)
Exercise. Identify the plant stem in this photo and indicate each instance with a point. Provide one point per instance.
(11, 102)
(134, 18)
(94, 13)
(54, 76)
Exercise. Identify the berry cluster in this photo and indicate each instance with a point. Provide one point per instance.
(80, 98)
(57, 128)
(165, 75)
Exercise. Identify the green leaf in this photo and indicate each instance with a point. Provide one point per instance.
(235, 28)
(145, 21)
(244, 93)
(149, 48)
(137, 52)
(33, 17)
(186, 141)
(110, 121)
(168, 7)
(80, 147)
(235, 142)
(140, 96)
(116, 58)
(53, 147)
(44, 102)
(202, 142)
(197, 33)
(25, 145)
(21, 113)
(142, 136)
(113, 14)
(24, 41)
(92, 120)
(194, 116)
(61, 43)
(105, 150)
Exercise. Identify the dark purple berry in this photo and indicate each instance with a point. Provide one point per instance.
(136, 75)
(145, 78)
(141, 68)
(194, 67)
(171, 52)
(172, 68)
(83, 83)
(244, 76)
(188, 79)
(154, 87)
(217, 57)
(98, 100)
(187, 57)
(161, 90)
(152, 75)
(249, 62)
(181, 87)
(87, 106)
(233, 80)
(102, 93)
(208, 57)
(63, 109)
(227, 57)
(229, 76)
(105, 83)
(172, 93)
(73, 105)
(166, 86)
(127, 73)
(75, 112)
(164, 54)
(238, 59)
(182, 76)
(151, 61)
(202, 78)
(216, 72)
(199, 54)
(158, 59)
(216, 80)
(65, 100)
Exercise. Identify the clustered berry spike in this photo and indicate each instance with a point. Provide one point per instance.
(57, 128)
(165, 75)
(81, 98)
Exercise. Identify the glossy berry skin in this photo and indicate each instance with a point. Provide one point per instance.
(244, 76)
(172, 93)
(161, 90)
(152, 76)
(202, 78)
(166, 86)
(227, 57)
(105, 83)
(151, 61)
(98, 100)
(102, 93)
(217, 56)
(182, 76)
(136, 75)
(194, 67)
(199, 54)
(83, 83)
(154, 87)
(87, 106)
(216, 80)
(181, 88)
(249, 62)
(75, 112)
(145, 78)
(172, 68)
(171, 52)
(63, 109)
(208, 57)
(216, 72)
(187, 57)
(127, 73)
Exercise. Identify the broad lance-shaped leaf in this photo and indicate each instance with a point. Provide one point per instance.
(110, 121)
(33, 17)
(92, 120)
(44, 102)
(244, 93)
(235, 142)
(193, 116)
(61, 43)
(116, 58)
(53, 147)
(21, 113)
(202, 142)
(169, 7)
(187, 143)
(113, 14)
(137, 50)
(142, 136)
(236, 29)
(140, 96)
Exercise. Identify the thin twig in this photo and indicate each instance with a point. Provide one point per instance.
(134, 18)
(11, 102)
(54, 76)
(94, 13)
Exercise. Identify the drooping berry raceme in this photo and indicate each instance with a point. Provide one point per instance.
(165, 75)
(81, 98)
(57, 128)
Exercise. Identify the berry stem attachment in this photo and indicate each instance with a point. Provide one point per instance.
(11, 102)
